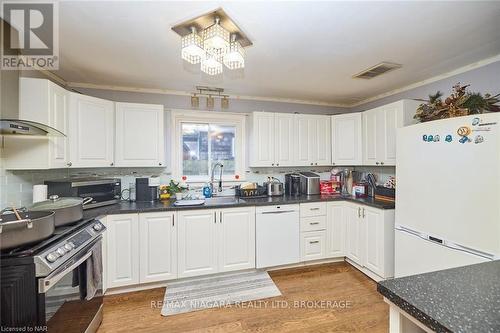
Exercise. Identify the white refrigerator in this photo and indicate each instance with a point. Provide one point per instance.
(447, 194)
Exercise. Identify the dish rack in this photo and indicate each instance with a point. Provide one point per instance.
(259, 192)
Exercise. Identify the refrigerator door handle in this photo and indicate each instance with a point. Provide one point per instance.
(411, 231)
(466, 249)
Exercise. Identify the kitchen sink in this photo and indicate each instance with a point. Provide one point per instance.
(222, 201)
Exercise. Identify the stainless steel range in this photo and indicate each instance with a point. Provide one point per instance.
(55, 285)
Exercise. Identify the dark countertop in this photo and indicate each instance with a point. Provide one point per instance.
(463, 299)
(140, 207)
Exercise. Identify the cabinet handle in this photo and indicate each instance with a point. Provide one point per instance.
(272, 164)
(159, 163)
(220, 217)
(363, 213)
(382, 163)
(376, 163)
(359, 212)
(111, 164)
(173, 220)
(69, 164)
(316, 164)
(277, 164)
(313, 223)
(315, 208)
(215, 217)
(312, 163)
(313, 242)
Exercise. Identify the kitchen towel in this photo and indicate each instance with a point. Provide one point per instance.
(39, 193)
(94, 271)
(217, 291)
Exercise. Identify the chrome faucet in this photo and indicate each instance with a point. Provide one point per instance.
(219, 189)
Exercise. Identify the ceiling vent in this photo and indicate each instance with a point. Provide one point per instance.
(379, 69)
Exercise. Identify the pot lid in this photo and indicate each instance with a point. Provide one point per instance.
(56, 202)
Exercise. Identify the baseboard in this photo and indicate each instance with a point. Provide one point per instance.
(364, 270)
(163, 284)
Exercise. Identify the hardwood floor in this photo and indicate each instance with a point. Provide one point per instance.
(355, 306)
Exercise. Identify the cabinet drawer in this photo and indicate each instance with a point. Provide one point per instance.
(312, 245)
(313, 209)
(314, 223)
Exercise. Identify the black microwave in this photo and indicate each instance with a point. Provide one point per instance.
(103, 191)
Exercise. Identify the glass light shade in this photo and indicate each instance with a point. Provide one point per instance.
(216, 38)
(210, 102)
(211, 64)
(224, 102)
(195, 101)
(235, 56)
(192, 48)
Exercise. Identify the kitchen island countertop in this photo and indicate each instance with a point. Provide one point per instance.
(463, 299)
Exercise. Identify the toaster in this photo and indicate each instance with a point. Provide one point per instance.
(309, 183)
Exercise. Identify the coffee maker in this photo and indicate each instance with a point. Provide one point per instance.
(146, 189)
(292, 184)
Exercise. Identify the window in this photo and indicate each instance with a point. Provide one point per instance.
(208, 139)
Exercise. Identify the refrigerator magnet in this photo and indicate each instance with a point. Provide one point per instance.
(430, 138)
(464, 139)
(424, 137)
(448, 138)
(463, 131)
(476, 121)
(437, 138)
(478, 139)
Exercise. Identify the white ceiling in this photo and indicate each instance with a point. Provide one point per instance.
(302, 50)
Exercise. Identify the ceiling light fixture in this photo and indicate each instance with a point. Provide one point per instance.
(220, 44)
(192, 47)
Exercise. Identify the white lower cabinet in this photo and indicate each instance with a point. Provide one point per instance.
(212, 241)
(197, 242)
(157, 247)
(122, 242)
(313, 245)
(370, 238)
(335, 230)
(236, 239)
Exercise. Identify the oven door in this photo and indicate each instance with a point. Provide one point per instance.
(71, 296)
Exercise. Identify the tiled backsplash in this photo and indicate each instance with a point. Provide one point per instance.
(17, 186)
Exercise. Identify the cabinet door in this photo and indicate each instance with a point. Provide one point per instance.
(263, 145)
(91, 135)
(392, 120)
(285, 139)
(58, 118)
(197, 243)
(304, 138)
(346, 139)
(323, 150)
(371, 140)
(355, 233)
(335, 231)
(157, 247)
(312, 245)
(140, 135)
(373, 220)
(122, 250)
(236, 238)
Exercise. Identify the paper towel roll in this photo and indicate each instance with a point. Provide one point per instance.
(39, 193)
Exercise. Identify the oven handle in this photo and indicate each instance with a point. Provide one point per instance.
(45, 284)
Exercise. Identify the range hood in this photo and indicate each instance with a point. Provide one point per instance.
(27, 127)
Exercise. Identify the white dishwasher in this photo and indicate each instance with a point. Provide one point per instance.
(277, 235)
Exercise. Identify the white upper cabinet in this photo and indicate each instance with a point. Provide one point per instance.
(140, 135)
(262, 140)
(347, 139)
(284, 139)
(322, 154)
(313, 140)
(45, 102)
(379, 131)
(91, 128)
